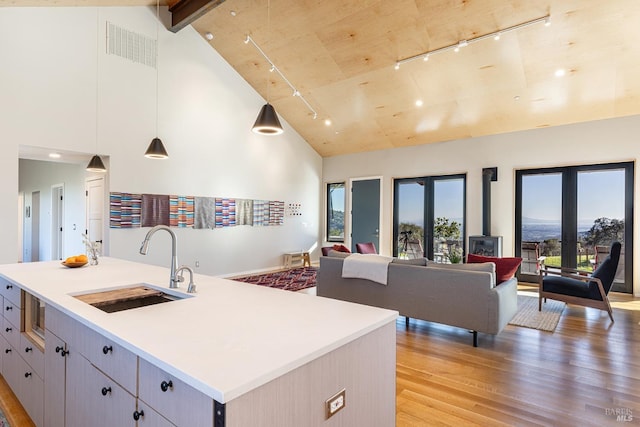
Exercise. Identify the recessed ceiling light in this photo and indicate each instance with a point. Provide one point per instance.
(497, 36)
(208, 36)
(233, 13)
(327, 122)
(426, 58)
(516, 98)
(54, 155)
(419, 103)
(560, 72)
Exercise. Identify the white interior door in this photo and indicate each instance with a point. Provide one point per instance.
(20, 226)
(35, 226)
(95, 208)
(57, 221)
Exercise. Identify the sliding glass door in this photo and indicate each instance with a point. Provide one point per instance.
(429, 217)
(569, 216)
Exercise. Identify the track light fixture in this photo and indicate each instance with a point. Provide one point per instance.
(465, 42)
(274, 69)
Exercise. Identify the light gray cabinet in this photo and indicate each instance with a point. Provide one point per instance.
(55, 365)
(177, 401)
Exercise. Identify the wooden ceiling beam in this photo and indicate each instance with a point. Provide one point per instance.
(184, 12)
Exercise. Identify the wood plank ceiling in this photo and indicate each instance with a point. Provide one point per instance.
(340, 55)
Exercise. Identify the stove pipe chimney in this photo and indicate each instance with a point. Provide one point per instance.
(488, 175)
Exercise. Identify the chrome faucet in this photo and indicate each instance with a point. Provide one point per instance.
(173, 280)
(191, 289)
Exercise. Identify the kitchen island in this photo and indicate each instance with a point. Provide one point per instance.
(251, 356)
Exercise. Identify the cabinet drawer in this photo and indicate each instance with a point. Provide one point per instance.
(11, 367)
(12, 312)
(108, 356)
(111, 358)
(93, 399)
(10, 332)
(31, 391)
(178, 402)
(10, 292)
(32, 355)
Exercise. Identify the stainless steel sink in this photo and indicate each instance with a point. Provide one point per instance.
(127, 298)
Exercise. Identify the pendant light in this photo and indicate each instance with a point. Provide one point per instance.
(267, 122)
(95, 164)
(156, 149)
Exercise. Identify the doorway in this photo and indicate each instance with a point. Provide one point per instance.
(94, 192)
(429, 218)
(569, 216)
(365, 212)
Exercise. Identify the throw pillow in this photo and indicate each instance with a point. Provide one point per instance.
(505, 267)
(338, 254)
(488, 267)
(416, 261)
(341, 248)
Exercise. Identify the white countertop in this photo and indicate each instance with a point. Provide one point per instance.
(228, 339)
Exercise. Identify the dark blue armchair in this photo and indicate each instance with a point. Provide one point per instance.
(575, 287)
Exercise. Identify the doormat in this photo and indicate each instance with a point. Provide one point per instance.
(528, 315)
(294, 279)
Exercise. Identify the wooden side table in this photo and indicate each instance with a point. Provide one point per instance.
(294, 258)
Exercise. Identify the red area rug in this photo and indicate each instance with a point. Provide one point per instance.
(294, 279)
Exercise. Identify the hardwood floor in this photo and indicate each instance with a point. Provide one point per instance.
(584, 374)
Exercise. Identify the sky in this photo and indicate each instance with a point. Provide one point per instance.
(600, 194)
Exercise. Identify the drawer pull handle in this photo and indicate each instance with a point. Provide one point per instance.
(27, 374)
(164, 386)
(8, 350)
(28, 349)
(9, 286)
(62, 351)
(9, 308)
(9, 329)
(106, 390)
(108, 349)
(137, 415)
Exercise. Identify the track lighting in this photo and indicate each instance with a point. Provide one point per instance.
(274, 69)
(465, 42)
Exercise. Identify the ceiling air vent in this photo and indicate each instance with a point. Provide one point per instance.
(131, 45)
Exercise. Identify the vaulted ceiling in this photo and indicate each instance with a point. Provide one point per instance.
(340, 56)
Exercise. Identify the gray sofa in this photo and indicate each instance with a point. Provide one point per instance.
(457, 295)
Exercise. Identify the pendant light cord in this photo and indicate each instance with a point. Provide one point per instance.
(157, 57)
(97, 68)
(268, 38)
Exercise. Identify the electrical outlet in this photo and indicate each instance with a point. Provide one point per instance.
(335, 403)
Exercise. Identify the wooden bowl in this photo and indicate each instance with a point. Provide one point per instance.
(74, 264)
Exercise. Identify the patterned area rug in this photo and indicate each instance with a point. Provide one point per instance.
(529, 316)
(294, 279)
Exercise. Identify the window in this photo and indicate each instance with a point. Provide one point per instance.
(335, 212)
(429, 218)
(569, 216)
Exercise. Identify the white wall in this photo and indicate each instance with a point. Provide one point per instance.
(614, 140)
(48, 81)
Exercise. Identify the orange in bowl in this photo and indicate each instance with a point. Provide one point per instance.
(75, 261)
